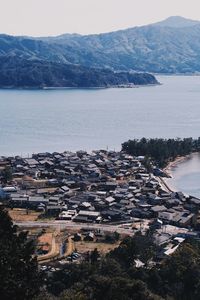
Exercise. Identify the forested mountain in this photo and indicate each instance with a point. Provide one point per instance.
(171, 46)
(17, 72)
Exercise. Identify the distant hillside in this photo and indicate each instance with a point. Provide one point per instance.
(177, 22)
(170, 46)
(22, 73)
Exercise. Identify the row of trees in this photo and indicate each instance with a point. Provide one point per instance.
(161, 150)
(112, 277)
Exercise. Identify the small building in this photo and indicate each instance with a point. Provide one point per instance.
(89, 237)
(87, 216)
(53, 211)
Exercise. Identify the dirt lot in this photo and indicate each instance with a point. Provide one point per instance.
(21, 215)
(103, 248)
(46, 241)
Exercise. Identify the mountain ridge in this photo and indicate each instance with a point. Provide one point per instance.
(177, 22)
(185, 22)
(150, 48)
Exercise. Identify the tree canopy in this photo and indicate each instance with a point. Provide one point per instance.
(116, 277)
(161, 150)
(19, 276)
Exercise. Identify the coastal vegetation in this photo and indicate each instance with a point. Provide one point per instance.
(160, 150)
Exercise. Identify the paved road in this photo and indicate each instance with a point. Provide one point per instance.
(71, 225)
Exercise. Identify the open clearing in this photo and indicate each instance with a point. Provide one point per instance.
(45, 241)
(18, 214)
(103, 248)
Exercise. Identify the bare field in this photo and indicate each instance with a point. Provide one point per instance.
(103, 248)
(46, 241)
(17, 215)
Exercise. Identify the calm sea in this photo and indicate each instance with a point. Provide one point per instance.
(69, 119)
(186, 176)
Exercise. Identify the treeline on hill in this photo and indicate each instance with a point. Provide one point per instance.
(112, 277)
(17, 72)
(161, 150)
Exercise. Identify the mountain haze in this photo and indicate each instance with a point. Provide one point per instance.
(177, 22)
(171, 46)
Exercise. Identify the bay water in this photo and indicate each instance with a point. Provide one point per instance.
(72, 119)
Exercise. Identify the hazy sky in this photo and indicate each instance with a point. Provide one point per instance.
(53, 17)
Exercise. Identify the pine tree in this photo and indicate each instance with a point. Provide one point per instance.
(19, 276)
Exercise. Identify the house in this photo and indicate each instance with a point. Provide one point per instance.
(158, 209)
(109, 200)
(141, 213)
(156, 224)
(77, 237)
(19, 201)
(53, 211)
(64, 215)
(84, 205)
(162, 238)
(87, 216)
(34, 201)
(194, 201)
(89, 237)
(110, 186)
(9, 189)
(3, 194)
(25, 201)
(154, 199)
(55, 200)
(112, 215)
(64, 189)
(166, 216)
(172, 202)
(187, 220)
(82, 219)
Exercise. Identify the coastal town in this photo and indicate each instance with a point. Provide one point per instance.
(99, 150)
(98, 192)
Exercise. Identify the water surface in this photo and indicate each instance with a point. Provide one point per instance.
(58, 120)
(186, 176)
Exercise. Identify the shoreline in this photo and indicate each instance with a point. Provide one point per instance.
(175, 163)
(44, 88)
(167, 170)
(165, 185)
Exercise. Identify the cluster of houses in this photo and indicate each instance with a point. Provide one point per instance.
(103, 186)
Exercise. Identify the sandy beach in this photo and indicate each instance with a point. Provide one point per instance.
(174, 164)
(164, 181)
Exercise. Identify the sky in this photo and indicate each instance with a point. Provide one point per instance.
(54, 17)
